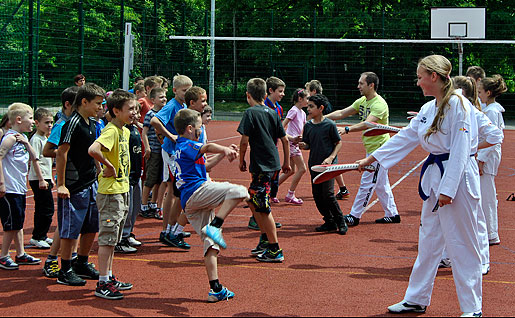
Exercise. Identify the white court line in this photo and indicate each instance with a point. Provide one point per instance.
(398, 182)
(222, 139)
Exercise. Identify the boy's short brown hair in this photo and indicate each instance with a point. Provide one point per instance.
(152, 81)
(256, 87)
(18, 109)
(42, 113)
(207, 110)
(139, 87)
(69, 94)
(314, 85)
(88, 91)
(193, 94)
(184, 118)
(117, 99)
(156, 91)
(274, 83)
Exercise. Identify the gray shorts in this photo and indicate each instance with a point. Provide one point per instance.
(200, 208)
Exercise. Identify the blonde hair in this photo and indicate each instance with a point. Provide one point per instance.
(18, 109)
(469, 89)
(442, 67)
(181, 80)
(494, 85)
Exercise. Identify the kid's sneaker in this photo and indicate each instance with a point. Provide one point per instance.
(215, 234)
(342, 195)
(108, 290)
(49, 241)
(26, 259)
(8, 263)
(472, 314)
(119, 285)
(41, 244)
(387, 220)
(271, 257)
(351, 220)
(86, 270)
(221, 295)
(51, 269)
(69, 278)
(176, 241)
(260, 248)
(133, 241)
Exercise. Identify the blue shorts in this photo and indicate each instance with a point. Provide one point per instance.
(12, 211)
(78, 214)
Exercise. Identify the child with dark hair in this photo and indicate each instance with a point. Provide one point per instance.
(111, 149)
(294, 124)
(260, 128)
(489, 159)
(5, 125)
(321, 137)
(41, 181)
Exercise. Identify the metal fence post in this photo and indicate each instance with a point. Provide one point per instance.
(81, 36)
(314, 44)
(155, 37)
(31, 53)
(122, 32)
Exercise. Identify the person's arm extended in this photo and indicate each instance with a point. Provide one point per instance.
(161, 129)
(95, 151)
(359, 127)
(61, 158)
(286, 168)
(7, 144)
(49, 150)
(342, 113)
(329, 160)
(221, 152)
(244, 144)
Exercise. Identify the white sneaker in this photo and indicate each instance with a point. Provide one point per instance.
(485, 269)
(39, 244)
(133, 242)
(472, 314)
(49, 241)
(495, 241)
(404, 306)
(445, 263)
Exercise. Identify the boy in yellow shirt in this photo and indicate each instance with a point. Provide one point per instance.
(112, 150)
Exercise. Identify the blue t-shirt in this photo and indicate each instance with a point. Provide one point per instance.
(131, 90)
(278, 108)
(55, 135)
(190, 168)
(166, 115)
(100, 125)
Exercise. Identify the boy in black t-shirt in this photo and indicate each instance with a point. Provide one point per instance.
(322, 139)
(77, 187)
(261, 127)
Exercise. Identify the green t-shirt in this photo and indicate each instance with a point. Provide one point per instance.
(115, 148)
(377, 107)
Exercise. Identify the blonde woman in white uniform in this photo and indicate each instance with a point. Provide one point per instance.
(446, 128)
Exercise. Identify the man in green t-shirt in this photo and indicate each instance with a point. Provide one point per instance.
(373, 108)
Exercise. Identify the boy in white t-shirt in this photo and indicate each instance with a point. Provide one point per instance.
(42, 185)
(15, 152)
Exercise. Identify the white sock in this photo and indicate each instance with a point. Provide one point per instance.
(144, 207)
(178, 229)
(168, 229)
(103, 278)
(174, 227)
(110, 273)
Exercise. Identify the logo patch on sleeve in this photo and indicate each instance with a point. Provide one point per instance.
(464, 130)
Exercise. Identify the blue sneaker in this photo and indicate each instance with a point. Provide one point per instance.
(215, 234)
(221, 295)
(271, 257)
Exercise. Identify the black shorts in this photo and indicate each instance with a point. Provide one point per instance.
(154, 169)
(259, 191)
(12, 211)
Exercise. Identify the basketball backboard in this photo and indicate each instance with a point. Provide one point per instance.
(463, 23)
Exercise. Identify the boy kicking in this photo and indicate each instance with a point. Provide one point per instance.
(199, 197)
(261, 127)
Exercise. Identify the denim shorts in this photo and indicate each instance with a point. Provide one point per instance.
(78, 214)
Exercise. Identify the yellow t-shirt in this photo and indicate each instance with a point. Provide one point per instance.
(115, 148)
(377, 107)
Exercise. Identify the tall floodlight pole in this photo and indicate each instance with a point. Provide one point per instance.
(212, 59)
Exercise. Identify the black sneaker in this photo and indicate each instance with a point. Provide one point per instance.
(85, 270)
(185, 234)
(70, 278)
(162, 236)
(176, 241)
(326, 227)
(119, 285)
(254, 226)
(342, 228)
(271, 257)
(389, 220)
(343, 195)
(51, 269)
(351, 220)
(148, 214)
(124, 247)
(260, 248)
(108, 290)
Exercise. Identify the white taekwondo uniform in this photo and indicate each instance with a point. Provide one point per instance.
(454, 225)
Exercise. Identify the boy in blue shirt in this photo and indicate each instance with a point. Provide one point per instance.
(199, 197)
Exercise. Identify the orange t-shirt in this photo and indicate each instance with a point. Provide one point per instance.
(146, 105)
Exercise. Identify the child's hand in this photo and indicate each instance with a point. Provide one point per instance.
(43, 185)
(481, 166)
(235, 147)
(21, 139)
(296, 140)
(230, 153)
(328, 161)
(63, 193)
(286, 168)
(147, 154)
(303, 145)
(341, 131)
(243, 165)
(108, 171)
